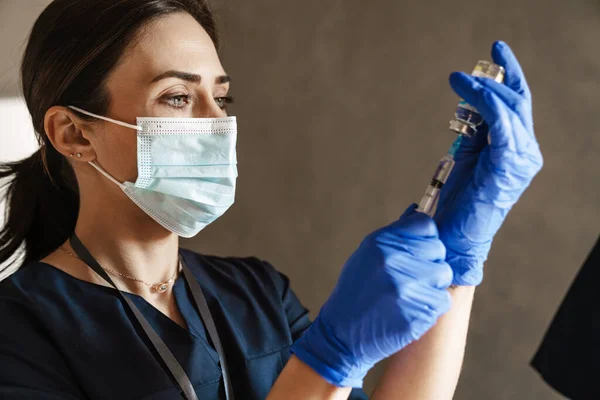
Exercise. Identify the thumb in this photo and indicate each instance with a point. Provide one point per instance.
(409, 211)
(415, 224)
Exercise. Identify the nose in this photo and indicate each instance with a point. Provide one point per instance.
(207, 107)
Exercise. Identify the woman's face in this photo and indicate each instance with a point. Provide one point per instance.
(172, 71)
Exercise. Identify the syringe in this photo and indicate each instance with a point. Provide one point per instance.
(465, 123)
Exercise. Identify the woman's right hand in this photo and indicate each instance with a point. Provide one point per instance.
(390, 292)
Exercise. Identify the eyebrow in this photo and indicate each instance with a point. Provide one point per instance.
(187, 76)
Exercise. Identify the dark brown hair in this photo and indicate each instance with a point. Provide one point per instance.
(72, 48)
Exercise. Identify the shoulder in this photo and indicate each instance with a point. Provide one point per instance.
(249, 290)
(15, 295)
(37, 293)
(14, 288)
(32, 364)
(29, 281)
(18, 307)
(250, 273)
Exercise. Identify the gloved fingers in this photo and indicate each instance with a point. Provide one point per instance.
(442, 299)
(503, 122)
(410, 210)
(422, 249)
(473, 93)
(424, 301)
(511, 99)
(514, 77)
(516, 83)
(435, 274)
(514, 148)
(439, 275)
(513, 140)
(429, 249)
(412, 224)
(503, 175)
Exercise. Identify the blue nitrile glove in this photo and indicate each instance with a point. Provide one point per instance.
(487, 179)
(390, 292)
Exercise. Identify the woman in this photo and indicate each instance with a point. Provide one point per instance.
(106, 305)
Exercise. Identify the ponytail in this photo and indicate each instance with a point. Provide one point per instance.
(43, 203)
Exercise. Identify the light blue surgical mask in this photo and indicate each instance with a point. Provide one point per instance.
(187, 169)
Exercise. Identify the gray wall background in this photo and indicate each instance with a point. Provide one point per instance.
(343, 109)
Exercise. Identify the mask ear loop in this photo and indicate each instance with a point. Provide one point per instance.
(114, 121)
(106, 174)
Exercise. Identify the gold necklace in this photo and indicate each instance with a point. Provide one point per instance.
(160, 287)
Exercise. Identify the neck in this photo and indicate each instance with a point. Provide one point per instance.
(123, 238)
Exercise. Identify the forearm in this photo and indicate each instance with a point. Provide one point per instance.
(428, 369)
(299, 381)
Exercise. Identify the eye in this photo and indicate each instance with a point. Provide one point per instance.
(178, 101)
(223, 102)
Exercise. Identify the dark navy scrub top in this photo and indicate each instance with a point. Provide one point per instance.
(64, 338)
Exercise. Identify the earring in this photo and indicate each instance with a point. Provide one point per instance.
(78, 155)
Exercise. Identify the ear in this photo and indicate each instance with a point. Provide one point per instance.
(67, 133)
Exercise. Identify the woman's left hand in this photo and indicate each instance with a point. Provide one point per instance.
(488, 178)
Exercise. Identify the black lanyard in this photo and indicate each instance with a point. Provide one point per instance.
(165, 354)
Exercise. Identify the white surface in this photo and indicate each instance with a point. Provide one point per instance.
(17, 139)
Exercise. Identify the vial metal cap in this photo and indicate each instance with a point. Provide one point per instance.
(461, 128)
(490, 70)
